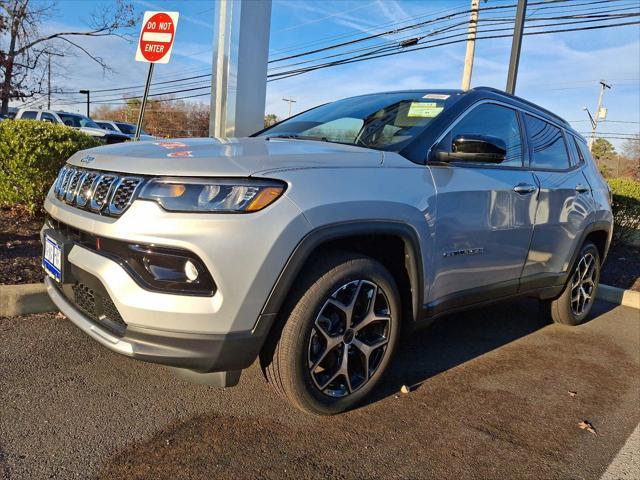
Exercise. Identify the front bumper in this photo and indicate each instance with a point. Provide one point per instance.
(198, 352)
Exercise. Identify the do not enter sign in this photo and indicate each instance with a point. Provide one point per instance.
(156, 37)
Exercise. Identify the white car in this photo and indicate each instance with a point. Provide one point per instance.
(74, 120)
(129, 129)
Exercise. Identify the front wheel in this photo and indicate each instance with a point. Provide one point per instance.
(576, 300)
(339, 337)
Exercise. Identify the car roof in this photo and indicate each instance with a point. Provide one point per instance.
(495, 94)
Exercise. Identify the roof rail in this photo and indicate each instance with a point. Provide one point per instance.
(526, 102)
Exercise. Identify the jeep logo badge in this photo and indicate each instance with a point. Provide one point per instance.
(87, 159)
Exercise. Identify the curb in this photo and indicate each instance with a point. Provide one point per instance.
(23, 299)
(628, 298)
(33, 298)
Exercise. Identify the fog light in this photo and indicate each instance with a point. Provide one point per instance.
(190, 271)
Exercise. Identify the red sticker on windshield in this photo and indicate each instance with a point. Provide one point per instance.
(180, 154)
(170, 144)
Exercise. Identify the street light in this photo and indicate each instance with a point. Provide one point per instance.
(88, 94)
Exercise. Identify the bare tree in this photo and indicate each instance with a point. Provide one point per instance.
(21, 62)
(631, 147)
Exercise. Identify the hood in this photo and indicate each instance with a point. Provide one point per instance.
(222, 157)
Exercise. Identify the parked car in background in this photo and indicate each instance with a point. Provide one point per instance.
(128, 129)
(74, 120)
(312, 244)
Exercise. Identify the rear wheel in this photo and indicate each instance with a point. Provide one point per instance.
(339, 336)
(574, 304)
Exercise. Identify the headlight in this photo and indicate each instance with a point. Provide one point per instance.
(212, 195)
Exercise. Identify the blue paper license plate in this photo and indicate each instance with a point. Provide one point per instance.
(52, 258)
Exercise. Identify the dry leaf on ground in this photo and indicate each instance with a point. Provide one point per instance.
(586, 425)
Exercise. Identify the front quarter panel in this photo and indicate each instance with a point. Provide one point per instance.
(392, 193)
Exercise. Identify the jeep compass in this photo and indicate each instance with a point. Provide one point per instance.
(312, 244)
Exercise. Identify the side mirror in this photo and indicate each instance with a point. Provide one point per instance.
(472, 148)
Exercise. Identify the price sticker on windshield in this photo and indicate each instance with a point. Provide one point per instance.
(424, 109)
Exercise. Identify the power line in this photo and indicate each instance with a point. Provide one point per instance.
(395, 47)
(369, 57)
(544, 5)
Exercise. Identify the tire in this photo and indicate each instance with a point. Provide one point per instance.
(317, 343)
(576, 300)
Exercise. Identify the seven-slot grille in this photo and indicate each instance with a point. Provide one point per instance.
(104, 193)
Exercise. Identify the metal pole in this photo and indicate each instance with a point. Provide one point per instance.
(516, 45)
(48, 82)
(471, 45)
(594, 125)
(143, 105)
(88, 94)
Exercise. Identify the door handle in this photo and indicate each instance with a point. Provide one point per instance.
(580, 188)
(524, 188)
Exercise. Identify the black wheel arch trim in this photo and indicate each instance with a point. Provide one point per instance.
(597, 226)
(336, 231)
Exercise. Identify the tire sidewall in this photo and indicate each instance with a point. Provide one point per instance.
(313, 301)
(566, 297)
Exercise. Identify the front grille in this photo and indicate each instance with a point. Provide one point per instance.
(99, 308)
(101, 192)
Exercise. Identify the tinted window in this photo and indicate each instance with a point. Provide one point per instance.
(73, 120)
(30, 115)
(127, 128)
(575, 157)
(495, 121)
(47, 117)
(584, 152)
(548, 149)
(106, 126)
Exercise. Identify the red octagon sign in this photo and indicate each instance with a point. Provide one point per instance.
(156, 37)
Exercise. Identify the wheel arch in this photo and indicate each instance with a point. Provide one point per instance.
(345, 234)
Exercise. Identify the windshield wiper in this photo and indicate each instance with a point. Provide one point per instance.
(300, 137)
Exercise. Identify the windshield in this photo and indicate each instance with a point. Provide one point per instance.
(385, 121)
(106, 126)
(129, 129)
(73, 120)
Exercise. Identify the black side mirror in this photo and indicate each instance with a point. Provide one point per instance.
(472, 148)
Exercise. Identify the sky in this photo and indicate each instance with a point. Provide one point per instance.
(559, 71)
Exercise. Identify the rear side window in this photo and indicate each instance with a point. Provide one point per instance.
(583, 151)
(548, 148)
(576, 156)
(47, 117)
(495, 121)
(29, 115)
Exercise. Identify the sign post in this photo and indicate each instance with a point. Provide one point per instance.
(154, 46)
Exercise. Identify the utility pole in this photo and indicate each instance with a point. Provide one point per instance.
(471, 45)
(290, 100)
(88, 94)
(48, 82)
(49, 76)
(516, 45)
(596, 117)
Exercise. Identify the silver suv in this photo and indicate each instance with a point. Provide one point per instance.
(312, 244)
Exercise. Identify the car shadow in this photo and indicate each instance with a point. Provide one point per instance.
(457, 338)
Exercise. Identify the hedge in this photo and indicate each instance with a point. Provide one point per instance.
(31, 153)
(626, 209)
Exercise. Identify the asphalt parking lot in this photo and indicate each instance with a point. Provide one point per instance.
(490, 400)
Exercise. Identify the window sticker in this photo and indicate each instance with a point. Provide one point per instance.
(424, 109)
(436, 96)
